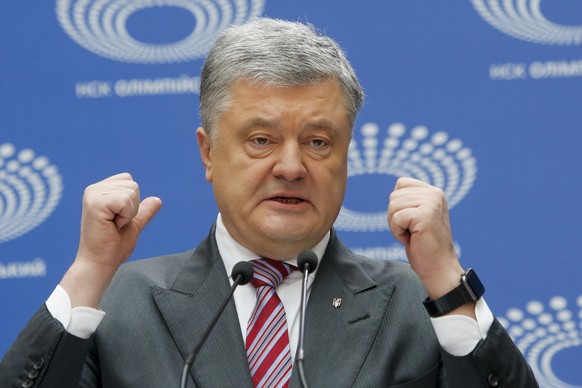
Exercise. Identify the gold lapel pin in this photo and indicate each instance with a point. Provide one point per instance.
(336, 302)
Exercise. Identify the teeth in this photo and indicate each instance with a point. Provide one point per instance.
(287, 200)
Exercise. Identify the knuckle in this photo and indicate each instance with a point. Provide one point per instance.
(438, 191)
(126, 175)
(90, 196)
(134, 187)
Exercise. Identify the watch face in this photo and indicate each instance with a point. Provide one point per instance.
(475, 285)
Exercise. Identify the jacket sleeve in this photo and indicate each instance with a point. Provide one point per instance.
(44, 355)
(495, 362)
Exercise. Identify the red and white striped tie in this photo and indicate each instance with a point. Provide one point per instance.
(267, 341)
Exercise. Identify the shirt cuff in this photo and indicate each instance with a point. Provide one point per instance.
(459, 334)
(80, 321)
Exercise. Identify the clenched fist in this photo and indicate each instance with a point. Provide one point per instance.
(418, 217)
(112, 219)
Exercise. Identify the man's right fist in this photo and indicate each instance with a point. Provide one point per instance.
(112, 219)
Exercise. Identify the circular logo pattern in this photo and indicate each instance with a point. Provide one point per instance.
(543, 331)
(30, 189)
(436, 159)
(100, 27)
(523, 19)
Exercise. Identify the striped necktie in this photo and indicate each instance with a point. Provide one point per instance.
(267, 340)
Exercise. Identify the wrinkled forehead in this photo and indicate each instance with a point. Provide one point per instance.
(312, 106)
(264, 84)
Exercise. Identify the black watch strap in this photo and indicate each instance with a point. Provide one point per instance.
(470, 290)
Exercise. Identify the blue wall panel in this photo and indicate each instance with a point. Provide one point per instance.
(481, 98)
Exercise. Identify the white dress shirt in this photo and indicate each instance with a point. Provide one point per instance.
(457, 334)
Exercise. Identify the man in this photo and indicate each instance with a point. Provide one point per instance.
(278, 102)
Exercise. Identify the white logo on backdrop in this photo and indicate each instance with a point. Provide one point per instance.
(523, 19)
(101, 27)
(541, 332)
(30, 189)
(436, 159)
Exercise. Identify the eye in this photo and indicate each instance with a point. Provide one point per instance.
(318, 143)
(318, 146)
(260, 141)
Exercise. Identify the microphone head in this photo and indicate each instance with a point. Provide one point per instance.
(307, 257)
(245, 270)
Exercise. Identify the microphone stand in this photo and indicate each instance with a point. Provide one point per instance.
(300, 350)
(242, 274)
(307, 263)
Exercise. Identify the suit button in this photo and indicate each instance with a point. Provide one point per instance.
(33, 374)
(37, 365)
(493, 380)
(27, 383)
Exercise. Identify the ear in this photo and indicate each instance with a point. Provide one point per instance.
(204, 145)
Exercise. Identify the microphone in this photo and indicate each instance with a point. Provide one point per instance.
(307, 263)
(242, 273)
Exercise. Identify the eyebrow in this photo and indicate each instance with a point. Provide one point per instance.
(321, 123)
(259, 122)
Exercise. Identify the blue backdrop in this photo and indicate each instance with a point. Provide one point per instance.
(481, 98)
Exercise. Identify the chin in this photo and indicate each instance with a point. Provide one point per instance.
(293, 233)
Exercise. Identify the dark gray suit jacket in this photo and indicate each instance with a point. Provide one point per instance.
(157, 310)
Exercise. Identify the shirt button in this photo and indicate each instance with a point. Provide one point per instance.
(493, 380)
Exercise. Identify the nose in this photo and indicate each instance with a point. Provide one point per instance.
(289, 164)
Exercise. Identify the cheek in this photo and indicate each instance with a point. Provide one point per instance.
(338, 191)
(339, 171)
(240, 178)
(331, 182)
(340, 178)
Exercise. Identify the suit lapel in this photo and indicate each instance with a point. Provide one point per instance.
(188, 307)
(338, 339)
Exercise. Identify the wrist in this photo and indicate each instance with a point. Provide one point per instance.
(460, 300)
(85, 283)
(439, 283)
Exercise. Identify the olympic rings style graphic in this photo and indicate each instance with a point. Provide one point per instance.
(30, 189)
(437, 160)
(523, 19)
(100, 27)
(541, 332)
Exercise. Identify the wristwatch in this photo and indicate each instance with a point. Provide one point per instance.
(470, 290)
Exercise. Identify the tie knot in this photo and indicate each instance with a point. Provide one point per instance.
(270, 272)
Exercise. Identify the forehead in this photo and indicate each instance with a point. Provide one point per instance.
(320, 104)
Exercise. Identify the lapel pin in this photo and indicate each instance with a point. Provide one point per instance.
(336, 302)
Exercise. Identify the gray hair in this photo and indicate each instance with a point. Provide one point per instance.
(273, 52)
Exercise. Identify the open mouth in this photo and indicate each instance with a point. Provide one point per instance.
(287, 200)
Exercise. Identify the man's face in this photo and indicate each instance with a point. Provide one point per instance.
(279, 165)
